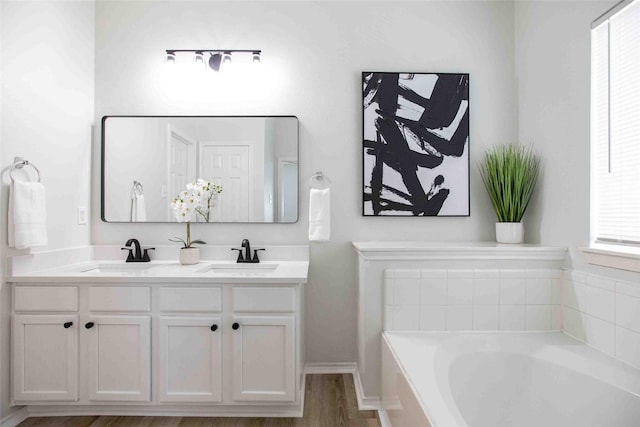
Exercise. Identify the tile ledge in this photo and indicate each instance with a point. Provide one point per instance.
(457, 251)
(628, 260)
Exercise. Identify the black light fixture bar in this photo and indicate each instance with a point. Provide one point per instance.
(168, 51)
(217, 57)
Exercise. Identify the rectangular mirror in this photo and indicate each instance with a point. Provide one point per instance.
(149, 160)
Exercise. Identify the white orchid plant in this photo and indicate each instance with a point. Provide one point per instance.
(197, 199)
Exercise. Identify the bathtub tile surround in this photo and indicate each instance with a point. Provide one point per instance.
(459, 317)
(512, 317)
(472, 299)
(440, 286)
(485, 317)
(600, 311)
(604, 313)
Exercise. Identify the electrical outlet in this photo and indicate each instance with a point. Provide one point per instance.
(82, 215)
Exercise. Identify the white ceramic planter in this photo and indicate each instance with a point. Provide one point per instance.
(509, 232)
(189, 256)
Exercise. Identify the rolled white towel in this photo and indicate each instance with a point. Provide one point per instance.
(27, 216)
(319, 215)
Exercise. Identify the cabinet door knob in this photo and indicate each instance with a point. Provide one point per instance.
(235, 326)
(67, 325)
(214, 328)
(89, 325)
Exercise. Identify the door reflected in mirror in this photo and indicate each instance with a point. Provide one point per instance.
(148, 160)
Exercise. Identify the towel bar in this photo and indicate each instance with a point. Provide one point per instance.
(19, 163)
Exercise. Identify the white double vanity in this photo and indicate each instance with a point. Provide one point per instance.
(92, 334)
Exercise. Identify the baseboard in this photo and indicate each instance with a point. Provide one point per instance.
(232, 411)
(329, 368)
(384, 419)
(365, 403)
(15, 418)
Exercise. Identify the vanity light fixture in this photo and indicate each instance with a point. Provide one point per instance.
(217, 57)
(171, 57)
(199, 58)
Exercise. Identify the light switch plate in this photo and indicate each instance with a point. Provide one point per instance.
(82, 215)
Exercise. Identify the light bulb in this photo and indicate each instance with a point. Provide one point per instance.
(214, 61)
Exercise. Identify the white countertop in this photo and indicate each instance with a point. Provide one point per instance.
(169, 272)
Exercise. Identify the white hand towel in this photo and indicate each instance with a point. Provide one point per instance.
(139, 209)
(319, 215)
(27, 216)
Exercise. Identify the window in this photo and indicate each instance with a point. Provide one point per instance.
(615, 125)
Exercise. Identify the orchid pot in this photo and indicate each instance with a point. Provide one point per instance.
(188, 253)
(189, 256)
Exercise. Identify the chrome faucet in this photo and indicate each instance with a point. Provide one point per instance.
(136, 253)
(247, 258)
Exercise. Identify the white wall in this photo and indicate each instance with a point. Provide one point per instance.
(313, 56)
(553, 76)
(46, 110)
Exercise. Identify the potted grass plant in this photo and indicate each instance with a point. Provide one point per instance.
(509, 173)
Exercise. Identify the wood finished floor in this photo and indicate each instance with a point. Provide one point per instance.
(330, 401)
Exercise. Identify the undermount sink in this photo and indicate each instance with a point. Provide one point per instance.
(239, 268)
(130, 268)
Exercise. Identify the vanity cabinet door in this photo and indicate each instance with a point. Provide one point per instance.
(263, 358)
(45, 358)
(190, 359)
(119, 357)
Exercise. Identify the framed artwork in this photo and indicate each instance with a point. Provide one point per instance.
(415, 144)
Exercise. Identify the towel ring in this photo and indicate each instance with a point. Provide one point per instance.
(321, 179)
(19, 163)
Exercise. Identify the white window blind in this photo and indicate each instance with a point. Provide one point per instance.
(615, 126)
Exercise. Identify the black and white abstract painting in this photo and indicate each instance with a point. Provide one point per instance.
(416, 144)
